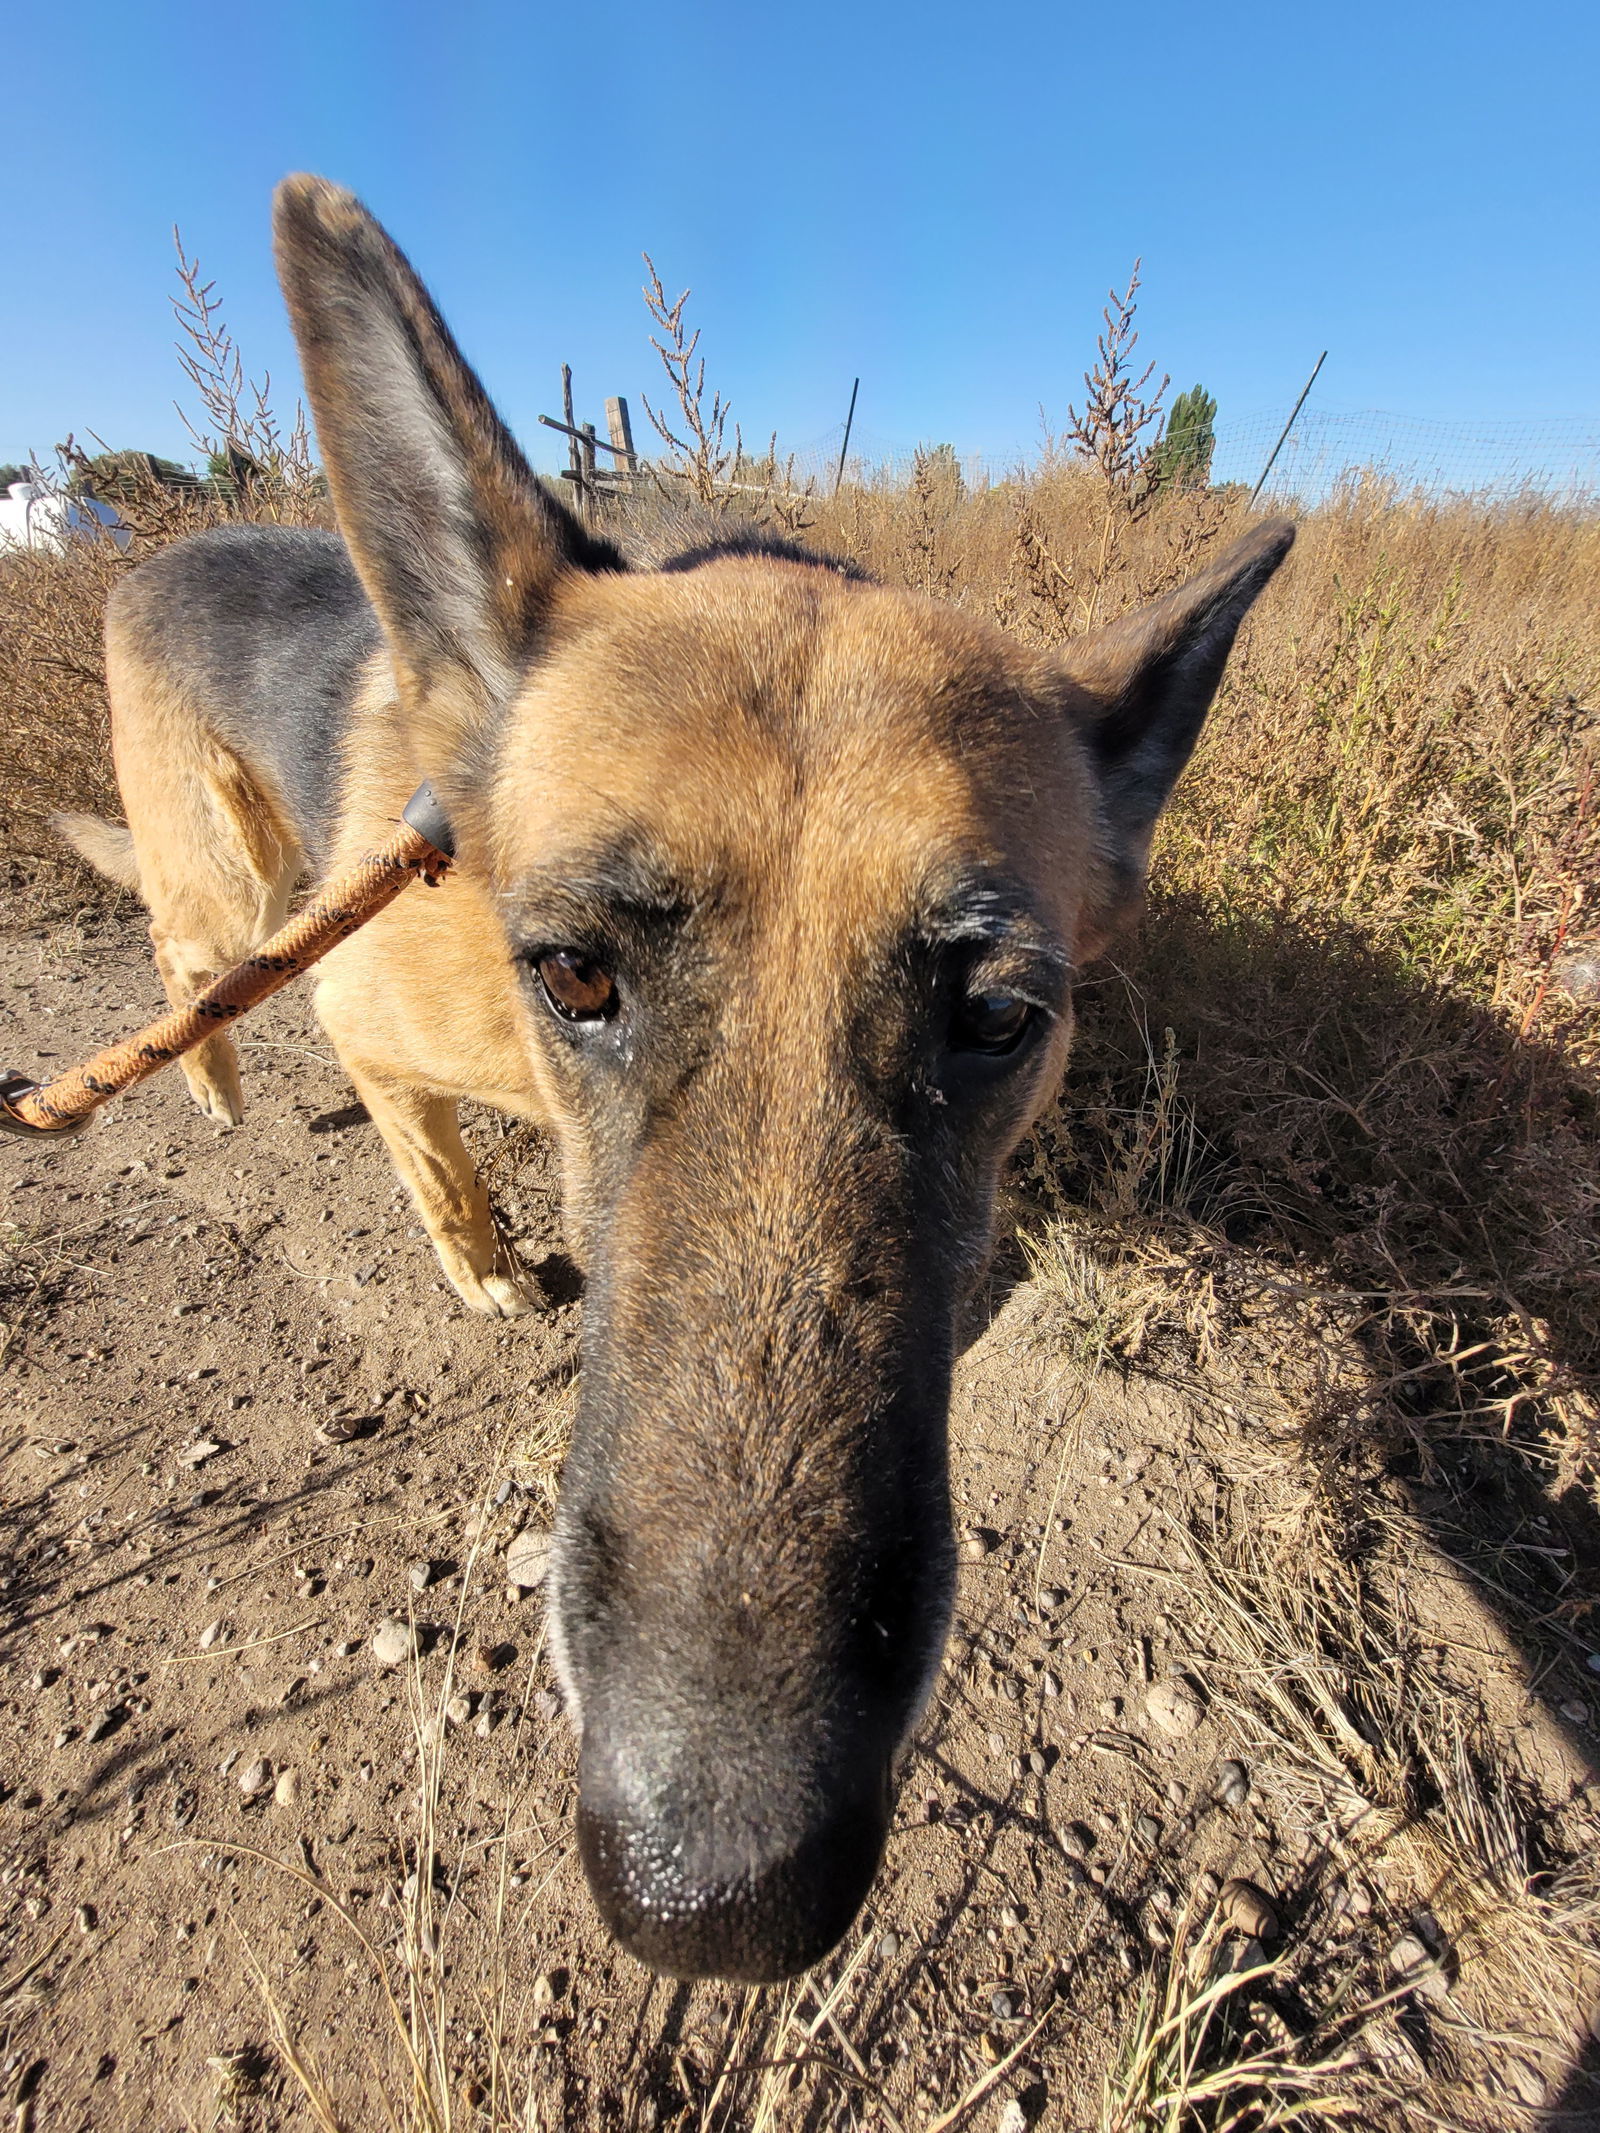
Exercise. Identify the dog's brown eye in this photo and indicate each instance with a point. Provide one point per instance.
(578, 988)
(991, 1021)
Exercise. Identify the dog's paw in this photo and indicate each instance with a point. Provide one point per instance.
(212, 1072)
(499, 1295)
(213, 1100)
(225, 1109)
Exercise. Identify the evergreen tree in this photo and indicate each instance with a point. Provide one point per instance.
(1182, 459)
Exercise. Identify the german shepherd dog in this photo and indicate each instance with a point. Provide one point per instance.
(770, 891)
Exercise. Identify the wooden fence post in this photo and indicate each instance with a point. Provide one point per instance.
(621, 431)
(574, 448)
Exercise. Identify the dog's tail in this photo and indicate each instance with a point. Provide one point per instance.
(107, 846)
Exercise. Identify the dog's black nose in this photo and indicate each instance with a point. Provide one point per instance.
(751, 1883)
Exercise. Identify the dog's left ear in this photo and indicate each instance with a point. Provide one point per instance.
(458, 544)
(1141, 689)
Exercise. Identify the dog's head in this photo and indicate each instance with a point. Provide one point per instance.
(796, 872)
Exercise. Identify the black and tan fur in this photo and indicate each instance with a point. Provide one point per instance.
(839, 851)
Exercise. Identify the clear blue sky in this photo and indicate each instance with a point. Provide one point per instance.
(933, 196)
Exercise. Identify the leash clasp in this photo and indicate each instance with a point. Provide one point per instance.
(15, 1089)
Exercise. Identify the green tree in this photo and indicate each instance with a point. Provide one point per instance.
(1182, 460)
(122, 477)
(9, 474)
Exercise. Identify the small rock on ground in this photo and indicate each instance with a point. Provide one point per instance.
(393, 1642)
(1174, 1707)
(1246, 1908)
(528, 1558)
(1412, 1961)
(1233, 1784)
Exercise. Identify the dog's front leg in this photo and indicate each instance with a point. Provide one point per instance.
(423, 1135)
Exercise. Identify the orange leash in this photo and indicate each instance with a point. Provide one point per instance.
(420, 850)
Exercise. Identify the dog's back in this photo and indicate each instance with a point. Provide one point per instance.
(233, 662)
(259, 635)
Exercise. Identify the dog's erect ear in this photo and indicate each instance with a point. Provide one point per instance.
(1141, 690)
(457, 543)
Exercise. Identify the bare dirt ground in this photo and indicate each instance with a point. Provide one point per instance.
(250, 1875)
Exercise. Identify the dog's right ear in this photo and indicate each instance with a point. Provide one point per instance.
(457, 543)
(1141, 689)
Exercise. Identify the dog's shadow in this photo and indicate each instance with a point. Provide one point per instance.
(1330, 1107)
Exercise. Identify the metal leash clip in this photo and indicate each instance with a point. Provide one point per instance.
(13, 1088)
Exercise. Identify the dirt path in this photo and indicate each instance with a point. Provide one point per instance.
(244, 1424)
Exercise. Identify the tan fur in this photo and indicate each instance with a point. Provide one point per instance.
(425, 996)
(107, 846)
(216, 860)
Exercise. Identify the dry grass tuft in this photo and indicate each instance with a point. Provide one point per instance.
(1206, 2048)
(1408, 1817)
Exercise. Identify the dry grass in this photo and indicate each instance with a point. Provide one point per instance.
(1205, 2048)
(1387, 1769)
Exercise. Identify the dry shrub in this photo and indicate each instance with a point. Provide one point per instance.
(1368, 900)
(54, 736)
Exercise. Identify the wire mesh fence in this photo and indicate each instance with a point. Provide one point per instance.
(1555, 459)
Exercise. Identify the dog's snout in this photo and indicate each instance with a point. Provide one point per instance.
(699, 1885)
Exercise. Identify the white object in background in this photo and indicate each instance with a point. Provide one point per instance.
(35, 517)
